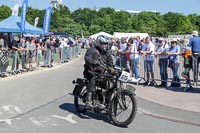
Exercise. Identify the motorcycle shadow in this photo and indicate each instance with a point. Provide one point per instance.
(87, 115)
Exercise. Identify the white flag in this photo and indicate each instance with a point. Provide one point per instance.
(15, 10)
(36, 21)
(60, 2)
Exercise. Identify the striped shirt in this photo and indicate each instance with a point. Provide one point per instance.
(163, 48)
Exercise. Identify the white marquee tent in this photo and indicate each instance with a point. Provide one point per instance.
(124, 35)
(101, 33)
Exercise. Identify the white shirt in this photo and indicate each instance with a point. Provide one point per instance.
(149, 47)
(134, 52)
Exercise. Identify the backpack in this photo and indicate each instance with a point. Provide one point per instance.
(139, 47)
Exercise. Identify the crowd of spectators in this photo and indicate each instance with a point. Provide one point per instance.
(30, 53)
(167, 51)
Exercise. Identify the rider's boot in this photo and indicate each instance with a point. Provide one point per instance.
(88, 104)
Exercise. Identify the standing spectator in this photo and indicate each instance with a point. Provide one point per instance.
(23, 53)
(174, 62)
(53, 50)
(15, 48)
(40, 48)
(148, 51)
(67, 50)
(134, 60)
(188, 66)
(70, 43)
(123, 60)
(47, 53)
(79, 46)
(161, 51)
(31, 50)
(127, 55)
(61, 50)
(195, 44)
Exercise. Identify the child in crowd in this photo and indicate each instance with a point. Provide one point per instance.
(188, 67)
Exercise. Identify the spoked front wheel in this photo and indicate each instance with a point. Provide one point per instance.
(123, 109)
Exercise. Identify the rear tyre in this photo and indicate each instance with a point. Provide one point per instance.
(80, 99)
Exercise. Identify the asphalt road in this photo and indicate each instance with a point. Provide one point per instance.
(39, 102)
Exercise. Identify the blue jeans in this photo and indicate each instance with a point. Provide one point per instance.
(176, 79)
(123, 61)
(47, 57)
(163, 63)
(134, 67)
(52, 55)
(38, 58)
(69, 52)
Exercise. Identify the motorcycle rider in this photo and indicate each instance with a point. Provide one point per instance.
(94, 55)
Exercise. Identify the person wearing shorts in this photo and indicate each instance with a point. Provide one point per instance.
(188, 67)
(148, 52)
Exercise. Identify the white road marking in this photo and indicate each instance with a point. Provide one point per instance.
(12, 109)
(36, 122)
(68, 118)
(8, 121)
(41, 121)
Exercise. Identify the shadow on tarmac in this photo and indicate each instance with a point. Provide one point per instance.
(87, 115)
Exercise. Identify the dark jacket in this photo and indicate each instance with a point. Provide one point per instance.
(93, 54)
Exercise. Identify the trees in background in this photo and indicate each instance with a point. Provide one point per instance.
(91, 21)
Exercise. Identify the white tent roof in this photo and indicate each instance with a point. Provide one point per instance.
(124, 35)
(100, 33)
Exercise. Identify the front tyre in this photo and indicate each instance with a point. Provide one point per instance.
(123, 109)
(80, 99)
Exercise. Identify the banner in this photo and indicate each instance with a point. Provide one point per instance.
(36, 21)
(15, 10)
(23, 15)
(4, 57)
(47, 19)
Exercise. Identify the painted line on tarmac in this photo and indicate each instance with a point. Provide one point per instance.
(12, 109)
(68, 118)
(8, 121)
(148, 113)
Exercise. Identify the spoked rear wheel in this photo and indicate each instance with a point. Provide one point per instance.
(80, 99)
(123, 109)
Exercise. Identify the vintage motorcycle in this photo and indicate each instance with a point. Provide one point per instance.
(110, 97)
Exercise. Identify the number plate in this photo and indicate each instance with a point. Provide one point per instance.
(125, 76)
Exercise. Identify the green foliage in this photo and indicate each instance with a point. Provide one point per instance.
(91, 21)
(5, 12)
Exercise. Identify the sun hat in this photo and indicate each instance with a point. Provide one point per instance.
(195, 33)
(174, 40)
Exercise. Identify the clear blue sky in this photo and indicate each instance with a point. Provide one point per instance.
(181, 6)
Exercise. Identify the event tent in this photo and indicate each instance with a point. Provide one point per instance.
(100, 33)
(124, 35)
(12, 24)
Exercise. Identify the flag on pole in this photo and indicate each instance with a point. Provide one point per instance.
(15, 10)
(47, 19)
(36, 21)
(23, 15)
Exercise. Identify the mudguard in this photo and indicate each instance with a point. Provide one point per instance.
(75, 89)
(79, 83)
(129, 91)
